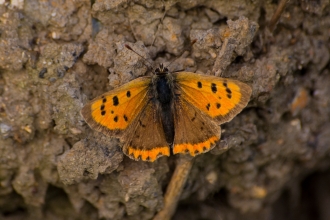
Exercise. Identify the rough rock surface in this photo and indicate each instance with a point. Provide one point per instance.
(273, 160)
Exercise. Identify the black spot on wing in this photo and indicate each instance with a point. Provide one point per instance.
(208, 106)
(141, 124)
(218, 105)
(115, 118)
(102, 107)
(104, 99)
(115, 101)
(193, 118)
(128, 94)
(103, 113)
(199, 85)
(125, 118)
(228, 92)
(214, 88)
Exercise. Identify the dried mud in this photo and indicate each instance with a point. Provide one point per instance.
(273, 160)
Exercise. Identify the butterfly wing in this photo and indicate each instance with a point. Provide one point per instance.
(220, 98)
(203, 103)
(129, 113)
(145, 137)
(112, 112)
(195, 131)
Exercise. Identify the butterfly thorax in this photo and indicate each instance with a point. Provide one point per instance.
(163, 85)
(163, 98)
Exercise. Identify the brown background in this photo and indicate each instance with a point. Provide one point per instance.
(273, 159)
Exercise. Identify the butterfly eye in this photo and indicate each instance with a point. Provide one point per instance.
(161, 70)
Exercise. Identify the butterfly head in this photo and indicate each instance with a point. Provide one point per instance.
(161, 70)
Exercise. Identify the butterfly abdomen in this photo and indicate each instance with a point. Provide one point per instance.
(164, 98)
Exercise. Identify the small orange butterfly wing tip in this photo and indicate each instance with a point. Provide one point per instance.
(195, 149)
(113, 111)
(147, 155)
(219, 98)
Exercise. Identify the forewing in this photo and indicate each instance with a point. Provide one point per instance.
(220, 98)
(112, 112)
(145, 139)
(195, 131)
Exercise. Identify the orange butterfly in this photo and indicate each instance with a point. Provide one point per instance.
(180, 110)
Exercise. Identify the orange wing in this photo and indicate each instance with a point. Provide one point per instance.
(112, 112)
(220, 98)
(195, 131)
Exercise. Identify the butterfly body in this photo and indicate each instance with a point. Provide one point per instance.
(163, 97)
(179, 112)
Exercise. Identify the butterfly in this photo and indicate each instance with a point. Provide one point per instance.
(179, 112)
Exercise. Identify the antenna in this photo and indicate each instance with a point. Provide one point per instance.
(150, 67)
(144, 59)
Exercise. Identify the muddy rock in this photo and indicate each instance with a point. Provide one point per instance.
(55, 56)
